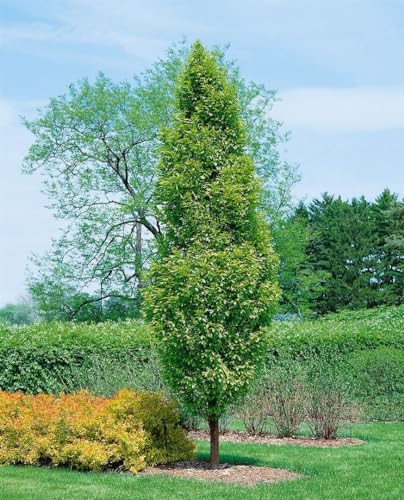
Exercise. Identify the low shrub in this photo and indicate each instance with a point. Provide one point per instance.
(375, 379)
(289, 394)
(255, 410)
(286, 396)
(329, 399)
(86, 432)
(278, 395)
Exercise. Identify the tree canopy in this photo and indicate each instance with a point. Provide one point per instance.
(96, 147)
(349, 253)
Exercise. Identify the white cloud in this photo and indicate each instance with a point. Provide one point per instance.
(342, 109)
(76, 32)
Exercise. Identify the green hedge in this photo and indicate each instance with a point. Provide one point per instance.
(366, 346)
(378, 378)
(54, 357)
(337, 334)
(101, 336)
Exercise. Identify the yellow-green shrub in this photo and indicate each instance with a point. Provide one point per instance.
(86, 432)
(166, 439)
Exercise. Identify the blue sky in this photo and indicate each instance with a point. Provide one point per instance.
(338, 66)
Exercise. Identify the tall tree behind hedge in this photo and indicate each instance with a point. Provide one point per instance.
(301, 284)
(214, 283)
(342, 245)
(388, 216)
(360, 247)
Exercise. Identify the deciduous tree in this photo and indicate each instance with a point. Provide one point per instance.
(96, 149)
(214, 284)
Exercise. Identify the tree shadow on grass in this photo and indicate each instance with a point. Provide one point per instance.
(228, 458)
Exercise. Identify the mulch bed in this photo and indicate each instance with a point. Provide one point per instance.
(246, 475)
(243, 437)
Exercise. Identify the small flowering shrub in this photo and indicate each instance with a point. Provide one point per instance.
(85, 432)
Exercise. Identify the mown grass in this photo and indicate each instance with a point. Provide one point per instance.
(371, 471)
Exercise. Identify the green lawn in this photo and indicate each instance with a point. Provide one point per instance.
(367, 472)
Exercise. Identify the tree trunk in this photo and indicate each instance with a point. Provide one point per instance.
(214, 440)
(138, 254)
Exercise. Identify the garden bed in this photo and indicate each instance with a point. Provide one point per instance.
(244, 437)
(246, 475)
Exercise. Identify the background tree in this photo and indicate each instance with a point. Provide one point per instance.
(388, 215)
(96, 148)
(17, 314)
(301, 284)
(357, 248)
(214, 283)
(341, 245)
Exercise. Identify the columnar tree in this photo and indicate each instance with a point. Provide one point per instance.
(213, 286)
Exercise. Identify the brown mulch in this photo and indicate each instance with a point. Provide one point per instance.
(246, 475)
(243, 437)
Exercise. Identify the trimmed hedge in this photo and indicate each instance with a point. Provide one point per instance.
(92, 336)
(366, 346)
(378, 378)
(337, 335)
(54, 357)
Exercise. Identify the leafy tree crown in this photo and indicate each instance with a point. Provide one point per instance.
(213, 285)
